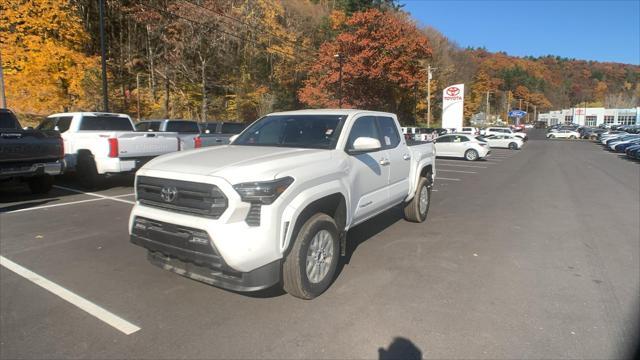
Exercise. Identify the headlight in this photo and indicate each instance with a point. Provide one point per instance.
(264, 192)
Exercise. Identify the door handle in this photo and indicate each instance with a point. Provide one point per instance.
(384, 162)
(406, 157)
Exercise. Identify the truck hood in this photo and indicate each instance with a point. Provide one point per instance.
(237, 163)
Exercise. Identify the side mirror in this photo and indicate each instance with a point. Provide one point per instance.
(365, 144)
(233, 138)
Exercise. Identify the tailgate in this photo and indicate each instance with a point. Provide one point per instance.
(29, 146)
(138, 144)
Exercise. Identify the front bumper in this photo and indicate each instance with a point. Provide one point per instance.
(189, 252)
(50, 168)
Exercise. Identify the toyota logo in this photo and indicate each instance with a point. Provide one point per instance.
(169, 193)
(453, 91)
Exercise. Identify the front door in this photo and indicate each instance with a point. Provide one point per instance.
(399, 157)
(369, 172)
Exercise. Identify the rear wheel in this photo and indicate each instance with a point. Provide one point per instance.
(552, 136)
(417, 209)
(513, 146)
(572, 137)
(40, 184)
(309, 268)
(471, 155)
(87, 172)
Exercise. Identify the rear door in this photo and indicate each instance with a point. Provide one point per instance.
(398, 156)
(443, 145)
(369, 172)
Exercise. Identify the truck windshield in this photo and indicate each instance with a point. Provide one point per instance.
(296, 131)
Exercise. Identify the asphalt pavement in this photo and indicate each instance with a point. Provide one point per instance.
(530, 254)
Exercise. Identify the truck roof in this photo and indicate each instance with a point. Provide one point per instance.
(328, 111)
(89, 113)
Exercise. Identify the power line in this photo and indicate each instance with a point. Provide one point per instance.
(220, 13)
(168, 13)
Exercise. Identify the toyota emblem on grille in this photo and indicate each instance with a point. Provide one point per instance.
(169, 193)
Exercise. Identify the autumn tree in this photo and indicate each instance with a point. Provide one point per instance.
(380, 54)
(42, 44)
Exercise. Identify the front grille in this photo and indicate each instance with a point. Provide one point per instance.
(185, 243)
(189, 197)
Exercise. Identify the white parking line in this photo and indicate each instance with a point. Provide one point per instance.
(108, 317)
(53, 205)
(446, 179)
(467, 166)
(453, 161)
(458, 171)
(93, 194)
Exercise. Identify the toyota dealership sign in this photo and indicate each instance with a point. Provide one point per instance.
(452, 106)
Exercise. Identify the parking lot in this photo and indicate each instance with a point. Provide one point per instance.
(531, 253)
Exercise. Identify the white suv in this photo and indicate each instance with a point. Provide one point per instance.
(503, 130)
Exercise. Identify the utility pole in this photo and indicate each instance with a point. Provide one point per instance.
(508, 107)
(339, 56)
(429, 76)
(486, 116)
(535, 113)
(105, 97)
(3, 97)
(138, 93)
(520, 105)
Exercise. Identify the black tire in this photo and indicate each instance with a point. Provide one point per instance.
(295, 280)
(552, 136)
(40, 184)
(471, 155)
(572, 137)
(87, 172)
(513, 146)
(412, 209)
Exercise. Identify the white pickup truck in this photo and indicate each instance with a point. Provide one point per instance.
(100, 144)
(275, 205)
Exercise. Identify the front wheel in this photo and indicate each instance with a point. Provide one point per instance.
(417, 209)
(309, 268)
(552, 136)
(513, 146)
(471, 155)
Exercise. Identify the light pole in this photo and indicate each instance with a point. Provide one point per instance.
(340, 57)
(487, 109)
(3, 98)
(105, 97)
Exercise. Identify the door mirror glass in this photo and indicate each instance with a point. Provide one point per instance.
(365, 144)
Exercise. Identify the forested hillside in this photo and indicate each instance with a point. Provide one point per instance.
(238, 59)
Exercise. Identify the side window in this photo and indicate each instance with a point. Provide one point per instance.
(154, 126)
(48, 124)
(63, 123)
(463, 138)
(389, 137)
(444, 139)
(183, 126)
(363, 127)
(142, 126)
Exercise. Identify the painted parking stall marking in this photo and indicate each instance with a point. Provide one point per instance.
(106, 316)
(114, 198)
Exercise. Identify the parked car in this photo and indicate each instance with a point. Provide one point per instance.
(563, 134)
(219, 133)
(621, 140)
(101, 144)
(503, 130)
(622, 146)
(468, 130)
(503, 141)
(591, 133)
(186, 130)
(27, 155)
(275, 206)
(633, 152)
(462, 146)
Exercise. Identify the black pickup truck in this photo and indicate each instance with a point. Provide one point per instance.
(32, 156)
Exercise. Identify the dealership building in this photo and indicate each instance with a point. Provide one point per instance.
(592, 116)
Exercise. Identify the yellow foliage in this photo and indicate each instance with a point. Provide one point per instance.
(41, 43)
